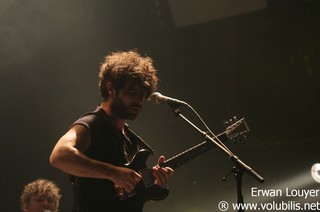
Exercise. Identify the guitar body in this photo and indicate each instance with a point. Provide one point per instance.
(145, 190)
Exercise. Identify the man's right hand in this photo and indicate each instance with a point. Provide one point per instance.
(126, 178)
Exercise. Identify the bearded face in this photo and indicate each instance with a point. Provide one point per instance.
(128, 102)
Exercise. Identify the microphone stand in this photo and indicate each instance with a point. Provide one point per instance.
(239, 168)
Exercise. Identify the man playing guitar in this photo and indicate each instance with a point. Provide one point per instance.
(96, 148)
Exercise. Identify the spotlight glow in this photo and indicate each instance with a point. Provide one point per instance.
(315, 172)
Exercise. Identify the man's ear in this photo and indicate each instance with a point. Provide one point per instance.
(110, 89)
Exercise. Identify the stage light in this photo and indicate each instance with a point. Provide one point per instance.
(315, 172)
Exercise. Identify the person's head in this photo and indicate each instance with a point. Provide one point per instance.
(127, 69)
(40, 195)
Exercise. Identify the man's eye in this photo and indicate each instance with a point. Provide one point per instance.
(39, 199)
(132, 92)
(50, 200)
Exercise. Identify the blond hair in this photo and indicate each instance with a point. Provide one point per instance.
(40, 187)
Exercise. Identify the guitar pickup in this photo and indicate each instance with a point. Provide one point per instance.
(147, 177)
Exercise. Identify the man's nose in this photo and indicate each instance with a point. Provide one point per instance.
(45, 202)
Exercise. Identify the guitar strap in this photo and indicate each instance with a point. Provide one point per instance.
(139, 140)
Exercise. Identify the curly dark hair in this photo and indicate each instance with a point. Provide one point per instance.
(40, 187)
(121, 68)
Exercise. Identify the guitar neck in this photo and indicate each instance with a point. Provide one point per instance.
(191, 153)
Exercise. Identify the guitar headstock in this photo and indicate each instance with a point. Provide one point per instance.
(236, 129)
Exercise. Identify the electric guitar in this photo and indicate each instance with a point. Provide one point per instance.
(147, 190)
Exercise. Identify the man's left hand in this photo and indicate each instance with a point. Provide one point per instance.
(162, 174)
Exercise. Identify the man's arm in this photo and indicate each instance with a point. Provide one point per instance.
(68, 156)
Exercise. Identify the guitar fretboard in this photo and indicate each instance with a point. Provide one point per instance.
(191, 153)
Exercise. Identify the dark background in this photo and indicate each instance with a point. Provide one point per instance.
(263, 65)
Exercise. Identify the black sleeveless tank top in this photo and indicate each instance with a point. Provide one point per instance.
(108, 144)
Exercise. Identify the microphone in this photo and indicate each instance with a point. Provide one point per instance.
(165, 99)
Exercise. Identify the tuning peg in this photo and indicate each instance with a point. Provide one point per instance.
(230, 121)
